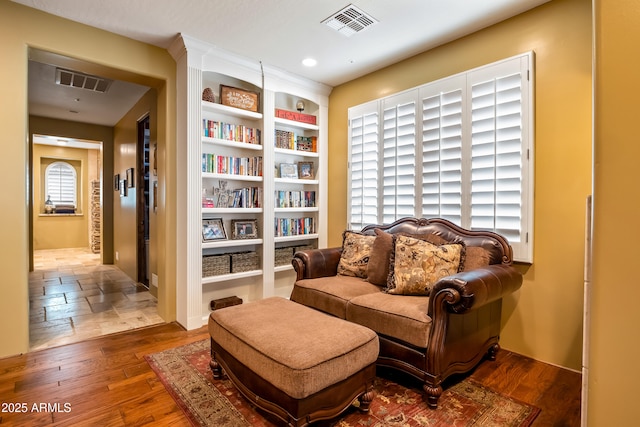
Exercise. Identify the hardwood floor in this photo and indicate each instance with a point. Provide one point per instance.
(106, 381)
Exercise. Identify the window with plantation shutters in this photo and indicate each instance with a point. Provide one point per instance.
(460, 148)
(60, 183)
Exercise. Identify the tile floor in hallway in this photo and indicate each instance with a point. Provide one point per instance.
(73, 297)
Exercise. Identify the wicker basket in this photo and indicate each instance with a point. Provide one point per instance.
(215, 265)
(244, 261)
(302, 248)
(284, 255)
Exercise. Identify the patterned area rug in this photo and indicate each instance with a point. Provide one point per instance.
(207, 402)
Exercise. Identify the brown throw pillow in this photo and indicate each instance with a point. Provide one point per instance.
(356, 249)
(417, 265)
(378, 268)
(476, 257)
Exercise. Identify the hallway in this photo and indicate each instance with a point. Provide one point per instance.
(73, 297)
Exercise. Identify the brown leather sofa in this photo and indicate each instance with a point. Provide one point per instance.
(429, 337)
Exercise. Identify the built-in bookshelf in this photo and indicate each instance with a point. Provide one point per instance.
(257, 176)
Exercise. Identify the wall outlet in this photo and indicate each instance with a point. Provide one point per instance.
(117, 256)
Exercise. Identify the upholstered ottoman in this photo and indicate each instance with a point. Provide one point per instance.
(293, 361)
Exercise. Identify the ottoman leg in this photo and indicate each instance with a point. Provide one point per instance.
(215, 368)
(214, 365)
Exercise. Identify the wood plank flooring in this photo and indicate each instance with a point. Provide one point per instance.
(106, 381)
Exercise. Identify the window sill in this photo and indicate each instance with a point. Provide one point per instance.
(60, 214)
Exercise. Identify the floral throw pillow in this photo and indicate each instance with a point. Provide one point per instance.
(417, 265)
(356, 250)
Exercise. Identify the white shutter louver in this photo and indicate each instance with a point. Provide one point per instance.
(496, 164)
(399, 168)
(442, 156)
(364, 170)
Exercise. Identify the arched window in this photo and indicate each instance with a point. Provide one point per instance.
(61, 183)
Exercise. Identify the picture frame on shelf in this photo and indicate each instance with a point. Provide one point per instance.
(116, 182)
(244, 229)
(239, 98)
(213, 229)
(288, 170)
(306, 170)
(130, 180)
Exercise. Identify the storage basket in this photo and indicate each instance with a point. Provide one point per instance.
(302, 248)
(284, 255)
(214, 265)
(244, 261)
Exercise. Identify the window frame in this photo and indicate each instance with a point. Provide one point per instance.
(521, 201)
(74, 184)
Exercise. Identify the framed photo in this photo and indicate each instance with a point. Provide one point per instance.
(116, 182)
(305, 170)
(244, 229)
(239, 98)
(155, 196)
(130, 181)
(213, 229)
(288, 170)
(123, 188)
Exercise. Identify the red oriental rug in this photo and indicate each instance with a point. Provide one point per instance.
(185, 373)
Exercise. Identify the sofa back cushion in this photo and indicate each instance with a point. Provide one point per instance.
(497, 247)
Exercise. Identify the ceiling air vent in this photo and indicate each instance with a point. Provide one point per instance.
(82, 81)
(349, 21)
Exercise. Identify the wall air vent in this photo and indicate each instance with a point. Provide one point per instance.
(82, 81)
(350, 21)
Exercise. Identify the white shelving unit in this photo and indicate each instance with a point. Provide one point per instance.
(200, 65)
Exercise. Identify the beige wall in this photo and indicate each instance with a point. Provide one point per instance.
(613, 366)
(118, 57)
(125, 136)
(60, 231)
(544, 319)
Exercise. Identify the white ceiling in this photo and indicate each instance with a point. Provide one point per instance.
(282, 33)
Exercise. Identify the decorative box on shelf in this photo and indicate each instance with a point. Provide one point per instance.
(244, 261)
(215, 265)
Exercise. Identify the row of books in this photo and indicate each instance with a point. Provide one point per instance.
(250, 166)
(248, 197)
(295, 199)
(294, 226)
(231, 132)
(291, 141)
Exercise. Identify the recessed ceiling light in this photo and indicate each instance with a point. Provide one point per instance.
(309, 62)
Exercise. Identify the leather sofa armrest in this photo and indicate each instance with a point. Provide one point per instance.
(462, 292)
(314, 263)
